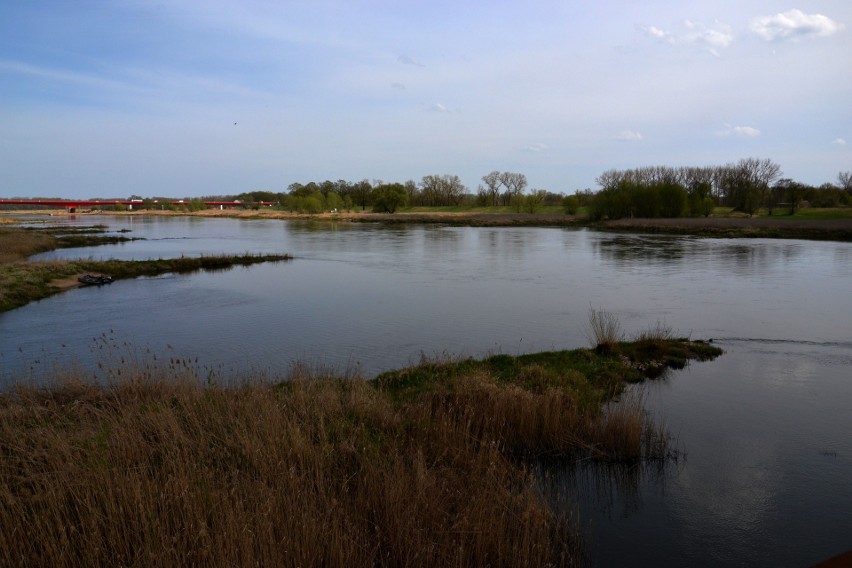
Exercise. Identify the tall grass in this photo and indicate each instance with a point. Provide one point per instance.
(428, 466)
(17, 243)
(314, 472)
(604, 329)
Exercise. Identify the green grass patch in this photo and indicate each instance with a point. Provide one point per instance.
(815, 214)
(592, 376)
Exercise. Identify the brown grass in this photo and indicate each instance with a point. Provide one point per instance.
(313, 472)
(17, 244)
(427, 466)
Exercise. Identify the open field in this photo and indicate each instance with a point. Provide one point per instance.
(428, 466)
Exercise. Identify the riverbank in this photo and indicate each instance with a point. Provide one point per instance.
(426, 466)
(23, 281)
(28, 281)
(737, 227)
(778, 227)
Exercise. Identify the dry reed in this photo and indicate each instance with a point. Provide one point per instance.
(17, 244)
(428, 466)
(311, 472)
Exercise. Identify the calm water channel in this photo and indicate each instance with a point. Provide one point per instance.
(766, 428)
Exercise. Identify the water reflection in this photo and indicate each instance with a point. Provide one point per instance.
(670, 254)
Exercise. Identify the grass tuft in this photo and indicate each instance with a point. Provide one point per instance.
(603, 330)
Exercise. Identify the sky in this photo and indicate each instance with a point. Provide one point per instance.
(205, 97)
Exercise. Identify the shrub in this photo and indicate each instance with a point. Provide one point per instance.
(571, 204)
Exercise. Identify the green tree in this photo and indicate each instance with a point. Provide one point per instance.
(673, 198)
(518, 203)
(195, 205)
(534, 201)
(333, 201)
(613, 202)
(700, 198)
(361, 192)
(387, 198)
(644, 200)
(571, 204)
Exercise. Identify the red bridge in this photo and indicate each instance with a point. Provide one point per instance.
(72, 204)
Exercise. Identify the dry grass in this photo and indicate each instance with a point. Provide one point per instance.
(428, 466)
(604, 330)
(17, 244)
(314, 472)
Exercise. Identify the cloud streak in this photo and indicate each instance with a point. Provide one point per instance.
(715, 37)
(629, 136)
(742, 131)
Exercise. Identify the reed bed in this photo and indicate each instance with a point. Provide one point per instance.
(149, 462)
(316, 472)
(17, 243)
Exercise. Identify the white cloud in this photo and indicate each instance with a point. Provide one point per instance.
(794, 24)
(747, 131)
(438, 107)
(839, 142)
(537, 147)
(629, 135)
(713, 37)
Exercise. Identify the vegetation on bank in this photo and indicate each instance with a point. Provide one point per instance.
(17, 243)
(23, 281)
(26, 281)
(427, 466)
(838, 228)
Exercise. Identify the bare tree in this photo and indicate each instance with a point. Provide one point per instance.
(490, 194)
(845, 179)
(441, 190)
(514, 183)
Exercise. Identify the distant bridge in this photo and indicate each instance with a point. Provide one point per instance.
(73, 204)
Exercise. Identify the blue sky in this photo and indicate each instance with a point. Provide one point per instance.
(121, 97)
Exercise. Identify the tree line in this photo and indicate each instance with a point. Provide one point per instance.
(746, 186)
(658, 191)
(438, 190)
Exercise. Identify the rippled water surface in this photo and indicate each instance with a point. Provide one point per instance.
(766, 429)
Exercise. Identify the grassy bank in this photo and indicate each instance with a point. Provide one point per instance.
(17, 243)
(22, 282)
(774, 227)
(426, 466)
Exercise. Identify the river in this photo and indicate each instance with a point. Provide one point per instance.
(765, 430)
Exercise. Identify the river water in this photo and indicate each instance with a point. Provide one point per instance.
(765, 430)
